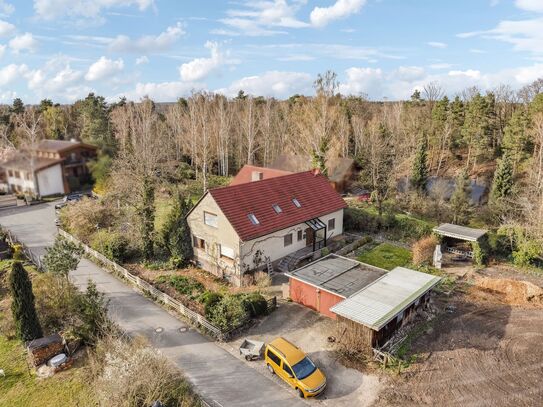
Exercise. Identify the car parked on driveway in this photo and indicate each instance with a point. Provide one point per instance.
(292, 365)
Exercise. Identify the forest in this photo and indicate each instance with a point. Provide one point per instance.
(148, 150)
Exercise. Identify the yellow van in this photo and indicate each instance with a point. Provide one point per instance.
(292, 365)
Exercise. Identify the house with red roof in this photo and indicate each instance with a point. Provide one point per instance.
(245, 227)
(252, 173)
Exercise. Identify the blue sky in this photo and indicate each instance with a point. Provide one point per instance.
(63, 49)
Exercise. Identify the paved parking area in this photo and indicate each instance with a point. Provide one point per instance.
(310, 330)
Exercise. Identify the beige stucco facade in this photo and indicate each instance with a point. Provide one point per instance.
(238, 257)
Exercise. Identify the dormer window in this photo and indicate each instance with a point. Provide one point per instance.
(253, 219)
(296, 202)
(277, 208)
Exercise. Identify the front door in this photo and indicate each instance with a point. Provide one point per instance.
(309, 237)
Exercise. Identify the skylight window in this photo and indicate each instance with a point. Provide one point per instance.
(277, 208)
(253, 219)
(296, 202)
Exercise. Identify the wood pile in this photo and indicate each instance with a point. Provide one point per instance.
(42, 349)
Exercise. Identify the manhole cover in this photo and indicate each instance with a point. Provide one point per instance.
(159, 330)
(182, 329)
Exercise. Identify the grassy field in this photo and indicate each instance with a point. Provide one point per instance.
(386, 256)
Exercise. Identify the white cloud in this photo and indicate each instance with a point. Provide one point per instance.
(142, 60)
(363, 81)
(272, 83)
(477, 51)
(51, 9)
(409, 73)
(525, 35)
(6, 28)
(200, 68)
(530, 5)
(6, 8)
(2, 50)
(321, 16)
(261, 18)
(12, 72)
(436, 44)
(160, 92)
(147, 43)
(104, 68)
(24, 42)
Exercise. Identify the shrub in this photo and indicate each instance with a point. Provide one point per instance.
(423, 250)
(479, 255)
(113, 245)
(129, 373)
(255, 304)
(229, 313)
(83, 218)
(175, 234)
(188, 286)
(209, 299)
(27, 325)
(18, 254)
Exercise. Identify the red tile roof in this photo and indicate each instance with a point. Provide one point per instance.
(246, 174)
(316, 196)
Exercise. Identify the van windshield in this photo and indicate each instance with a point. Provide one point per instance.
(303, 368)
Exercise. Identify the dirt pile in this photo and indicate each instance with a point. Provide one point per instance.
(512, 292)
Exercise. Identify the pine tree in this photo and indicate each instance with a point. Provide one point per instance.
(502, 185)
(176, 236)
(419, 172)
(27, 325)
(460, 199)
(62, 258)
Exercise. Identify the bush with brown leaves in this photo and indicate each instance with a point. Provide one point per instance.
(423, 250)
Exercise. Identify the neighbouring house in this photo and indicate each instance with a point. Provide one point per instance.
(342, 171)
(251, 173)
(55, 167)
(241, 228)
(369, 303)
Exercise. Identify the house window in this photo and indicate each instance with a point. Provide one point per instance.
(17, 174)
(226, 252)
(210, 219)
(288, 239)
(277, 208)
(198, 242)
(300, 235)
(296, 202)
(331, 224)
(10, 173)
(253, 219)
(28, 177)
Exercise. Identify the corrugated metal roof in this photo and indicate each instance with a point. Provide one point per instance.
(460, 232)
(338, 275)
(378, 303)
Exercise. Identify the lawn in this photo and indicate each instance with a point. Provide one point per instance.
(386, 256)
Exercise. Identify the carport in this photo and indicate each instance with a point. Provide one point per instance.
(457, 240)
(377, 311)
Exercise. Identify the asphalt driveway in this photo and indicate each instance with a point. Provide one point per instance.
(219, 377)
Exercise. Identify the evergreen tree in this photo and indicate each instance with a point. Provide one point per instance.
(175, 235)
(93, 111)
(27, 325)
(460, 199)
(147, 217)
(502, 185)
(18, 106)
(419, 172)
(62, 257)
(516, 138)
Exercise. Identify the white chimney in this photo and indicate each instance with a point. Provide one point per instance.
(257, 176)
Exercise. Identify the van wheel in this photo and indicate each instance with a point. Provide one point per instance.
(301, 393)
(271, 369)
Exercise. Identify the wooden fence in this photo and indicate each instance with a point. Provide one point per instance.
(34, 258)
(156, 294)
